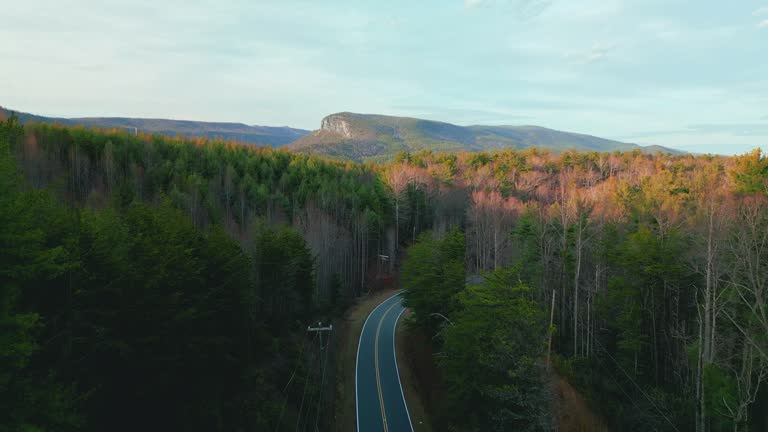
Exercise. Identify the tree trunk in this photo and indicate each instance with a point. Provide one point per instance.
(707, 349)
(701, 408)
(397, 227)
(577, 272)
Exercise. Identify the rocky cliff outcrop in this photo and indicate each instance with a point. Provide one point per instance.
(337, 123)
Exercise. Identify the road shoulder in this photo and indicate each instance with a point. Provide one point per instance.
(419, 418)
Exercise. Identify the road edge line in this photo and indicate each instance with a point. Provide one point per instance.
(376, 365)
(357, 360)
(397, 368)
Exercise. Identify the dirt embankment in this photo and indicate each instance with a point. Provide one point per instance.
(570, 409)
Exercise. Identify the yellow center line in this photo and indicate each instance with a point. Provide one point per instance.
(376, 364)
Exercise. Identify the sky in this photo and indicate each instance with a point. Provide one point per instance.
(689, 75)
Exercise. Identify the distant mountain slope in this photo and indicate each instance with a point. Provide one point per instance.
(376, 137)
(258, 135)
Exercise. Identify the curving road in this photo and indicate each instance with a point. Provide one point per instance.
(378, 393)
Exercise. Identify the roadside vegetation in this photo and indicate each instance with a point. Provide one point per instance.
(657, 265)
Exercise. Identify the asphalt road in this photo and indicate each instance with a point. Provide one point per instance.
(378, 393)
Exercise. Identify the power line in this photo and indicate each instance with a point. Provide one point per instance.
(290, 380)
(633, 382)
(319, 330)
(305, 419)
(322, 381)
(628, 396)
(304, 394)
(323, 358)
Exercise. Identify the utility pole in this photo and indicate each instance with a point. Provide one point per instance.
(323, 361)
(383, 259)
(320, 328)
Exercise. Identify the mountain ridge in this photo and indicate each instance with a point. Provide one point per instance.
(275, 136)
(361, 137)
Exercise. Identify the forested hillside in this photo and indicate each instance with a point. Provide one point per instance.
(256, 135)
(341, 209)
(162, 284)
(656, 267)
(139, 270)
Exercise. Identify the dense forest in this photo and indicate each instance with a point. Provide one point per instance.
(150, 279)
(140, 270)
(655, 265)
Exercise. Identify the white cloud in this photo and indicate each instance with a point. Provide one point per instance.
(597, 53)
(763, 24)
(761, 11)
(473, 3)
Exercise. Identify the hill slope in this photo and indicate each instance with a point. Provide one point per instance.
(377, 137)
(258, 135)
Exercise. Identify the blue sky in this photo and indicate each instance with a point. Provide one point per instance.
(691, 74)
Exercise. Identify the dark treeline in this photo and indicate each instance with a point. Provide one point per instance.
(658, 265)
(340, 209)
(156, 284)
